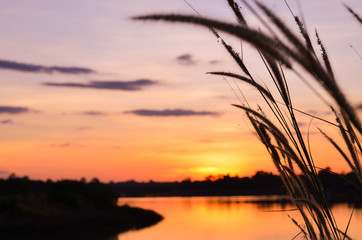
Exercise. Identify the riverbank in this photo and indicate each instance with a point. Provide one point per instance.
(89, 224)
(338, 188)
(64, 209)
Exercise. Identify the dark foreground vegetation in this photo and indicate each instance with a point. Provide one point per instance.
(58, 210)
(338, 188)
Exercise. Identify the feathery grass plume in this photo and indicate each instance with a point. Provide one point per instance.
(359, 55)
(294, 186)
(352, 151)
(302, 29)
(352, 142)
(229, 49)
(280, 50)
(292, 157)
(266, 139)
(304, 33)
(350, 139)
(322, 225)
(339, 149)
(291, 37)
(247, 80)
(287, 160)
(325, 56)
(304, 57)
(300, 228)
(358, 18)
(236, 57)
(265, 120)
(279, 81)
(280, 137)
(236, 9)
(303, 189)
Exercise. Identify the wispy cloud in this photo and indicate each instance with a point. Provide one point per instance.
(111, 85)
(115, 147)
(171, 113)
(6, 121)
(93, 113)
(302, 124)
(223, 97)
(67, 145)
(312, 112)
(319, 113)
(2, 173)
(61, 145)
(13, 110)
(186, 59)
(25, 67)
(84, 128)
(328, 113)
(206, 141)
(214, 62)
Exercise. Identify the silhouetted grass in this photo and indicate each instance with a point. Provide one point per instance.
(281, 50)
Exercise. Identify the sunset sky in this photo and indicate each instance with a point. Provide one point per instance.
(87, 92)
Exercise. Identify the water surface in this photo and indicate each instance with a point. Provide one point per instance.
(229, 218)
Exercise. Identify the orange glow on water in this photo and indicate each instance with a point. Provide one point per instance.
(231, 218)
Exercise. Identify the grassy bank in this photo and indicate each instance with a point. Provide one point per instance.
(55, 210)
(338, 188)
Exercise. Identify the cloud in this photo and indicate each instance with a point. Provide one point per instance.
(67, 145)
(214, 62)
(24, 67)
(62, 145)
(223, 97)
(319, 113)
(312, 112)
(93, 113)
(116, 147)
(302, 124)
(206, 141)
(3, 173)
(13, 110)
(328, 113)
(111, 85)
(171, 113)
(6, 121)
(85, 128)
(186, 59)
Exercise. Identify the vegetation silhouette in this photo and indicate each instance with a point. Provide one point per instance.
(338, 187)
(60, 209)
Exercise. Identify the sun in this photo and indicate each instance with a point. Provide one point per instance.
(211, 171)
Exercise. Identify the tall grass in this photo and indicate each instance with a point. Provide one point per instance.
(282, 50)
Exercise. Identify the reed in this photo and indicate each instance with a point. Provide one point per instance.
(282, 50)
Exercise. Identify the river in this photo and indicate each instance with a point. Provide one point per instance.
(229, 218)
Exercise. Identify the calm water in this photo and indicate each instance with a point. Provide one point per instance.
(229, 218)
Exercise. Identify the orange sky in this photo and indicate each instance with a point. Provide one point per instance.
(93, 114)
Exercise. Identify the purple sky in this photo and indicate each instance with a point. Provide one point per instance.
(85, 91)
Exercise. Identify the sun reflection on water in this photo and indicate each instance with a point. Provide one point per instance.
(214, 218)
